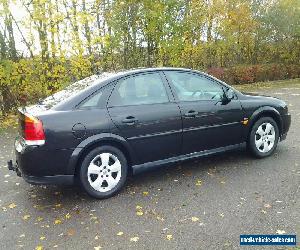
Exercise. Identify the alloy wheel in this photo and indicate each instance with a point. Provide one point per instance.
(104, 172)
(265, 137)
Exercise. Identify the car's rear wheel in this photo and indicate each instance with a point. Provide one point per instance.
(263, 137)
(103, 172)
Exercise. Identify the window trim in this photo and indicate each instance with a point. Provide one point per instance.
(163, 80)
(191, 73)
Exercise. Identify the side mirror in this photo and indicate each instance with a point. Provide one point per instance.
(229, 93)
(228, 96)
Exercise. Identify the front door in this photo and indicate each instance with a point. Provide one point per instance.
(207, 122)
(141, 110)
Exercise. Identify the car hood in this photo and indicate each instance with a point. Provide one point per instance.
(265, 99)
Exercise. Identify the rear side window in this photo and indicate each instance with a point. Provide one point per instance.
(139, 89)
(96, 100)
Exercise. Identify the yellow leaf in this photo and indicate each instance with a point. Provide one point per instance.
(194, 219)
(42, 237)
(280, 232)
(145, 193)
(169, 237)
(97, 248)
(139, 213)
(138, 207)
(198, 183)
(57, 222)
(120, 233)
(58, 205)
(39, 247)
(39, 218)
(12, 205)
(68, 216)
(26, 217)
(134, 239)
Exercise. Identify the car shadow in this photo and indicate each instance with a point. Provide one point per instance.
(74, 195)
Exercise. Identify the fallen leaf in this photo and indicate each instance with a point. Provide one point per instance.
(71, 232)
(280, 232)
(263, 211)
(198, 183)
(58, 205)
(33, 196)
(22, 236)
(12, 205)
(145, 193)
(120, 233)
(169, 237)
(138, 207)
(42, 237)
(267, 206)
(97, 248)
(57, 222)
(40, 218)
(222, 182)
(139, 213)
(39, 247)
(68, 216)
(134, 239)
(221, 214)
(194, 219)
(26, 217)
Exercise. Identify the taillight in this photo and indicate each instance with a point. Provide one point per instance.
(33, 131)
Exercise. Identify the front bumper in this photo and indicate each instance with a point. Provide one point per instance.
(286, 123)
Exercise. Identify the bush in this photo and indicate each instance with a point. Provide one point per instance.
(255, 73)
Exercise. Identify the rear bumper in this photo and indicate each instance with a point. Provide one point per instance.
(42, 180)
(50, 180)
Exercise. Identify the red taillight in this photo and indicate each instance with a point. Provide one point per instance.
(33, 130)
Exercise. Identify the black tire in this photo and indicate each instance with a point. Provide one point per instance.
(253, 135)
(83, 174)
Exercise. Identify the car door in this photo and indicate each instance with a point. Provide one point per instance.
(208, 123)
(142, 109)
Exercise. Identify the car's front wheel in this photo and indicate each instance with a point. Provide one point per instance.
(103, 172)
(263, 137)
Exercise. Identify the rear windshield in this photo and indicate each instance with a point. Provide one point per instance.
(73, 89)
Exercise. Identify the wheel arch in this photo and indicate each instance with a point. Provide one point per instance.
(266, 111)
(96, 141)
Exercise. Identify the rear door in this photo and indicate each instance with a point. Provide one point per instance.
(207, 123)
(142, 109)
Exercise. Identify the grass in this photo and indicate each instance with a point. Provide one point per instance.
(292, 83)
(11, 120)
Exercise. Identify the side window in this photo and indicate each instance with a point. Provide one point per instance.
(192, 87)
(139, 89)
(97, 100)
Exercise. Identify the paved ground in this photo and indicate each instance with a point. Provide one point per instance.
(204, 204)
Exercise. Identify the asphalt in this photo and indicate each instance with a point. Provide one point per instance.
(202, 204)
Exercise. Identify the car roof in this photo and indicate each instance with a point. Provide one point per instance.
(104, 78)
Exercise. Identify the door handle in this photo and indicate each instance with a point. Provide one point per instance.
(130, 120)
(191, 113)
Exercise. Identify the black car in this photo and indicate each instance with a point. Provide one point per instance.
(101, 129)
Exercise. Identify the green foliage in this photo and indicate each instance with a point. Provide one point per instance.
(236, 40)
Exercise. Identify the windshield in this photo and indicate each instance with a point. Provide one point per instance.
(74, 89)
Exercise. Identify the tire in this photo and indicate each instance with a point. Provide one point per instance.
(263, 137)
(103, 172)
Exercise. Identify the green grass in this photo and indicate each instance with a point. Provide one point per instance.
(293, 83)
